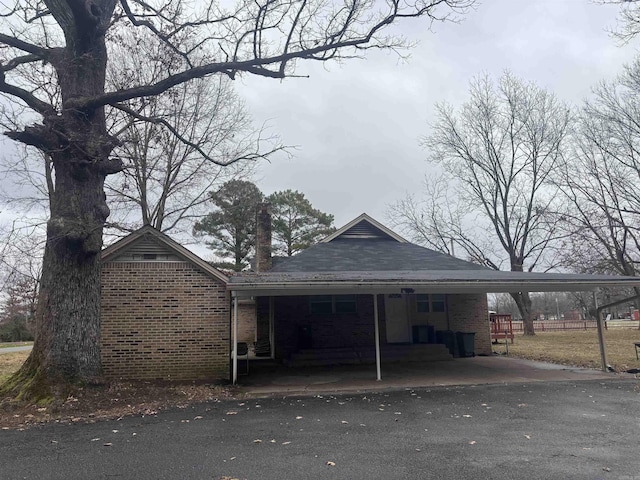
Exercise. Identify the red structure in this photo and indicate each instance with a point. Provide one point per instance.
(501, 327)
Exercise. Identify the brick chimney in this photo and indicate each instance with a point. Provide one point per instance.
(263, 238)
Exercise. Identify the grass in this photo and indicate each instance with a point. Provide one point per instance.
(14, 344)
(10, 363)
(577, 347)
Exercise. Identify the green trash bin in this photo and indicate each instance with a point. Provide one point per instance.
(466, 344)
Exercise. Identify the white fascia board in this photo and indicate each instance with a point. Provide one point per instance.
(308, 288)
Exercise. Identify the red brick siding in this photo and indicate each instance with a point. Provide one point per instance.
(470, 313)
(163, 320)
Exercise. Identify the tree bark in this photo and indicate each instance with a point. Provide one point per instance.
(67, 343)
(523, 301)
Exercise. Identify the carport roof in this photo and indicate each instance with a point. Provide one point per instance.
(420, 281)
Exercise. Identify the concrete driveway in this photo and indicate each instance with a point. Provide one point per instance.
(268, 379)
(539, 430)
(22, 348)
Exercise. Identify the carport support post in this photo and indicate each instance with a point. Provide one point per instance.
(603, 351)
(235, 340)
(377, 335)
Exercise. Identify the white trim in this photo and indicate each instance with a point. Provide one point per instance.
(366, 218)
(312, 288)
(235, 340)
(377, 335)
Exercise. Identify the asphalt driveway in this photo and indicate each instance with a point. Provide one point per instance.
(586, 429)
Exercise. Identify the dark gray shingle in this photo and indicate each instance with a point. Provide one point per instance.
(351, 255)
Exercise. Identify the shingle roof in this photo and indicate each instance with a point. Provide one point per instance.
(365, 256)
(369, 255)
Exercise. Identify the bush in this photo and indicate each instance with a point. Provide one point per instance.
(15, 330)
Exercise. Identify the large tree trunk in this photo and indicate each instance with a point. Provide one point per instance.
(67, 344)
(523, 301)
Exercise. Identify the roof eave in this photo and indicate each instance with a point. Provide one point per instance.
(433, 286)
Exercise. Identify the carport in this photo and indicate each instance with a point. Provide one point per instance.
(473, 281)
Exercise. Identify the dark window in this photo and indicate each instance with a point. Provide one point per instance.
(345, 304)
(430, 303)
(438, 303)
(321, 304)
(328, 304)
(422, 303)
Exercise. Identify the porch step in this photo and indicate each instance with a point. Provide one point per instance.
(362, 355)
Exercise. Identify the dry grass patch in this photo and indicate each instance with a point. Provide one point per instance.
(578, 347)
(113, 400)
(10, 363)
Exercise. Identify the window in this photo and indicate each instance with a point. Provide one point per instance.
(330, 304)
(430, 303)
(422, 303)
(438, 303)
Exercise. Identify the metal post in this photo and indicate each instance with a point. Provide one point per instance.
(234, 343)
(377, 336)
(603, 352)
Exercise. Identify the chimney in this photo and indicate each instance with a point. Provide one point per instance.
(263, 238)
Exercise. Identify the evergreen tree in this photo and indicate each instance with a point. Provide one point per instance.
(296, 224)
(232, 225)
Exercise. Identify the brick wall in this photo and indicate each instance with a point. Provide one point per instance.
(466, 313)
(294, 321)
(470, 313)
(163, 320)
(247, 321)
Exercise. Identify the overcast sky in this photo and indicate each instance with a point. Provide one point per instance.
(358, 125)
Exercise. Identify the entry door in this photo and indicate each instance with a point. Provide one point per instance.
(397, 320)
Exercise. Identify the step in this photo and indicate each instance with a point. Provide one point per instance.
(388, 353)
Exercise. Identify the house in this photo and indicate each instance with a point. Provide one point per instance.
(363, 294)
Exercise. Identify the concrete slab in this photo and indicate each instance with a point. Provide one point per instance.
(15, 349)
(270, 380)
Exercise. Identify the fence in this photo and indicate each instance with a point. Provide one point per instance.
(559, 325)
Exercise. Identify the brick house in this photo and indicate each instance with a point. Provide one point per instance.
(362, 295)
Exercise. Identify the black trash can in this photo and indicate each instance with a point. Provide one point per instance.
(466, 344)
(448, 338)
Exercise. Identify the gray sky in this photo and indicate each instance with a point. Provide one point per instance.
(358, 125)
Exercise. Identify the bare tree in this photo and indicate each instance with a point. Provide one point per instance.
(53, 64)
(629, 19)
(602, 217)
(498, 151)
(165, 179)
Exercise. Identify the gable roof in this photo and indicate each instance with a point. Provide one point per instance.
(365, 245)
(364, 227)
(149, 233)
